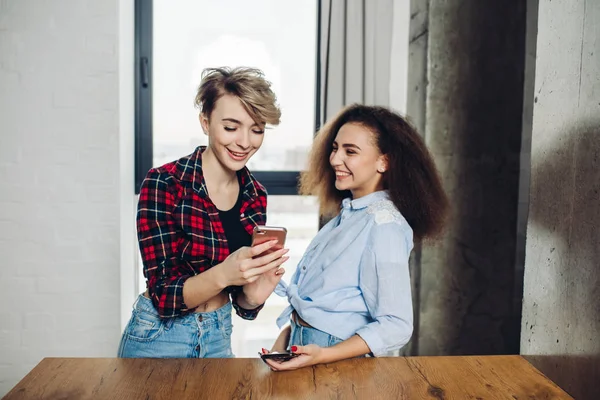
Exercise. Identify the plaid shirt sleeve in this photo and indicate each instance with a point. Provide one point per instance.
(157, 237)
(244, 313)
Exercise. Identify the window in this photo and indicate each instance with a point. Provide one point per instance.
(175, 42)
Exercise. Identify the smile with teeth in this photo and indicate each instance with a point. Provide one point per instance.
(342, 174)
(236, 155)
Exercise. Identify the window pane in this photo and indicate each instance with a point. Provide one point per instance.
(277, 37)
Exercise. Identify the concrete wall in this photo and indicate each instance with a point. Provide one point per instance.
(61, 167)
(561, 304)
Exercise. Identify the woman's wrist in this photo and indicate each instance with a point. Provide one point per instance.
(200, 288)
(217, 276)
(328, 355)
(352, 347)
(246, 303)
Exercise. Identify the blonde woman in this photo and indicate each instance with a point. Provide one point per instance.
(195, 219)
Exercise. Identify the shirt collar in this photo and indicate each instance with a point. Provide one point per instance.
(190, 170)
(365, 201)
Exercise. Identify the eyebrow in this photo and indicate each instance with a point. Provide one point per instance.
(235, 121)
(348, 145)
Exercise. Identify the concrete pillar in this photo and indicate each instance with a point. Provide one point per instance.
(473, 122)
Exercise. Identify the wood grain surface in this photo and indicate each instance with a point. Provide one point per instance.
(484, 377)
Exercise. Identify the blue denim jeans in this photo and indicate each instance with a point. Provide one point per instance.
(197, 335)
(302, 335)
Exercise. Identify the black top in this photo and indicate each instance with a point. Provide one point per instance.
(232, 225)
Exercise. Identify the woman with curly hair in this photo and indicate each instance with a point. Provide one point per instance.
(351, 293)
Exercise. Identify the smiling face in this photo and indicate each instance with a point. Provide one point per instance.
(233, 136)
(357, 161)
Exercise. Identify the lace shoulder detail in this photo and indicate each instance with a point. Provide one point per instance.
(384, 211)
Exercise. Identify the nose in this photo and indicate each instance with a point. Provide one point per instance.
(243, 139)
(335, 159)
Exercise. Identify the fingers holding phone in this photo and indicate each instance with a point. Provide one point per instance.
(303, 356)
(277, 356)
(266, 263)
(246, 264)
(263, 234)
(268, 255)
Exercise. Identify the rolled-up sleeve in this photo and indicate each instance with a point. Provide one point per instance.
(158, 234)
(385, 283)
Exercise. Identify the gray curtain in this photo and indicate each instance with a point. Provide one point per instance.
(355, 53)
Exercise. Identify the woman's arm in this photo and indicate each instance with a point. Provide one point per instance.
(350, 348)
(158, 234)
(239, 268)
(312, 354)
(385, 285)
(174, 286)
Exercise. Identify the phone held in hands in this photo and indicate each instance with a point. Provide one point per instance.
(262, 234)
(277, 356)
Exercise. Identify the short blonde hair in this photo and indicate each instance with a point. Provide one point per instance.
(247, 84)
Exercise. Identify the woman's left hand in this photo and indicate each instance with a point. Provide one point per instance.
(258, 291)
(309, 355)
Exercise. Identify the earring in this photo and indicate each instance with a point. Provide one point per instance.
(381, 170)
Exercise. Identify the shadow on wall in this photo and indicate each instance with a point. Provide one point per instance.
(562, 323)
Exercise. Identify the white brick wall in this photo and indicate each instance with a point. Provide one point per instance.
(63, 138)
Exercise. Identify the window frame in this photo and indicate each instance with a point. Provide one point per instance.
(276, 182)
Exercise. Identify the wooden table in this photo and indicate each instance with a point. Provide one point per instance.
(485, 377)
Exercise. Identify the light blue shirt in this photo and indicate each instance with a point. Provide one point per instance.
(354, 277)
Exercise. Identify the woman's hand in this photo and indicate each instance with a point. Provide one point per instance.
(309, 355)
(258, 291)
(246, 265)
(312, 354)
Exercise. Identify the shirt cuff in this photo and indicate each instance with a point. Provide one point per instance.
(168, 299)
(379, 345)
(243, 312)
(372, 340)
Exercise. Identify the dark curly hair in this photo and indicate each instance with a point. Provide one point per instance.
(411, 178)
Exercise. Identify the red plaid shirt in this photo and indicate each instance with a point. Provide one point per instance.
(179, 231)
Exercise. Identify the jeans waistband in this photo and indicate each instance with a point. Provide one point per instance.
(299, 321)
(145, 304)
